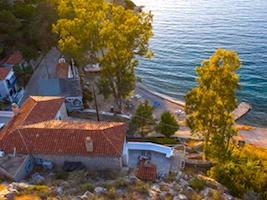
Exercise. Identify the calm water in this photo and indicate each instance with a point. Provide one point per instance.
(188, 31)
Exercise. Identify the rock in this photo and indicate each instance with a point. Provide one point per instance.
(180, 197)
(179, 175)
(162, 195)
(133, 178)
(76, 198)
(152, 194)
(228, 197)
(120, 192)
(60, 191)
(251, 196)
(100, 190)
(88, 194)
(51, 174)
(37, 178)
(189, 189)
(183, 182)
(18, 186)
(155, 187)
(10, 195)
(205, 192)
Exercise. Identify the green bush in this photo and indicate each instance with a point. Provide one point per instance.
(88, 187)
(197, 184)
(61, 175)
(240, 177)
(168, 124)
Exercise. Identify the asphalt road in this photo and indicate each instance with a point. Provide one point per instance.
(45, 70)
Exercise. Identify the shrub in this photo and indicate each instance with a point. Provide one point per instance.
(140, 186)
(197, 184)
(121, 183)
(168, 124)
(88, 187)
(241, 177)
(61, 175)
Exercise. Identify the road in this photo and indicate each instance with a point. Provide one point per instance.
(45, 70)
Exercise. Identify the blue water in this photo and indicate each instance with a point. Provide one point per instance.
(188, 31)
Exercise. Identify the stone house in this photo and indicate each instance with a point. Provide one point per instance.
(40, 130)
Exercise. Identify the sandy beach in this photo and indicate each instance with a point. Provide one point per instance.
(256, 136)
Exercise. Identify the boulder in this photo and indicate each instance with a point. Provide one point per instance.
(37, 178)
(155, 187)
(179, 175)
(189, 189)
(251, 196)
(100, 190)
(18, 186)
(183, 182)
(87, 194)
(180, 197)
(76, 198)
(162, 195)
(120, 192)
(60, 190)
(133, 178)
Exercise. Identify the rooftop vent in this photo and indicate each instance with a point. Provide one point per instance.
(89, 144)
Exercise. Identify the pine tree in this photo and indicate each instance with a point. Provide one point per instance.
(142, 122)
(168, 124)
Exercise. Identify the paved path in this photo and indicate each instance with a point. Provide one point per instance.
(45, 70)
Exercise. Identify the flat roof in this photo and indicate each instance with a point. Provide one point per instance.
(148, 146)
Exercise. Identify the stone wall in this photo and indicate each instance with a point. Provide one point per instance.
(24, 169)
(163, 164)
(91, 162)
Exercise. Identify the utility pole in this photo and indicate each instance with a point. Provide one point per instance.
(95, 100)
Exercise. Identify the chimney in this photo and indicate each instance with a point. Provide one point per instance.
(15, 108)
(89, 144)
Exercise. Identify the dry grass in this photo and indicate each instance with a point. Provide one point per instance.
(258, 152)
(193, 143)
(2, 187)
(28, 197)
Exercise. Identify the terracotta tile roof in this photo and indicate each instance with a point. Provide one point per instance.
(34, 109)
(67, 138)
(4, 71)
(147, 171)
(15, 58)
(62, 70)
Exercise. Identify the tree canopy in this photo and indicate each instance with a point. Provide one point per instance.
(143, 121)
(209, 106)
(99, 32)
(26, 26)
(168, 124)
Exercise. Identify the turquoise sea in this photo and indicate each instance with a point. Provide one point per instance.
(188, 31)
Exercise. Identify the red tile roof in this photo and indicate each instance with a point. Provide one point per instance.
(14, 58)
(4, 71)
(35, 131)
(34, 109)
(62, 70)
(67, 138)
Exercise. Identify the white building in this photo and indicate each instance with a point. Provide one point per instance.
(8, 85)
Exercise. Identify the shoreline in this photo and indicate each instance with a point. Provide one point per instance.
(159, 95)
